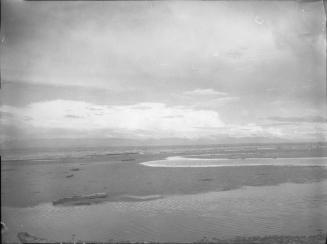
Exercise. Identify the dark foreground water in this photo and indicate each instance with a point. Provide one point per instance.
(286, 209)
(204, 192)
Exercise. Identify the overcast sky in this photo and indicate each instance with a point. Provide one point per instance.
(163, 69)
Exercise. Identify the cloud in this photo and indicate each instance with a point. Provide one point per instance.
(303, 125)
(114, 44)
(304, 119)
(252, 130)
(292, 132)
(206, 98)
(216, 102)
(151, 119)
(72, 116)
(215, 59)
(205, 92)
(77, 119)
(6, 115)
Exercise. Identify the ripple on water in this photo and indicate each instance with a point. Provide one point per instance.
(266, 210)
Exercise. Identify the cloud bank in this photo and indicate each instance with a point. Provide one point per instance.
(143, 119)
(163, 69)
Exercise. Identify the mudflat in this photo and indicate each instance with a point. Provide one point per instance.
(34, 181)
(127, 197)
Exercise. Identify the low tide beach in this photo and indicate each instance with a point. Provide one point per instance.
(163, 122)
(147, 197)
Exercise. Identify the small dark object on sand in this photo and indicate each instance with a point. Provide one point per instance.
(24, 237)
(206, 179)
(3, 228)
(69, 176)
(128, 159)
(75, 169)
(82, 199)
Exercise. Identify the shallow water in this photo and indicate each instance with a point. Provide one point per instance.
(286, 209)
(223, 162)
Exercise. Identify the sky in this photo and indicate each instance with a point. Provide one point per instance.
(209, 71)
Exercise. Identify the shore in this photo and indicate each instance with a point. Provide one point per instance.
(288, 211)
(118, 197)
(311, 239)
(30, 183)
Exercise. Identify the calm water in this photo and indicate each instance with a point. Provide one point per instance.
(290, 209)
(178, 161)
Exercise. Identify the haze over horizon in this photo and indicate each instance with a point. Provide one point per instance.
(163, 72)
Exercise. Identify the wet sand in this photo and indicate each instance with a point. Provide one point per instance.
(31, 183)
(288, 211)
(169, 201)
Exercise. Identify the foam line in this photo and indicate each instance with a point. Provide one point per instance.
(179, 162)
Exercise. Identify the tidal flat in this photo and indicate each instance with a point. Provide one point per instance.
(165, 204)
